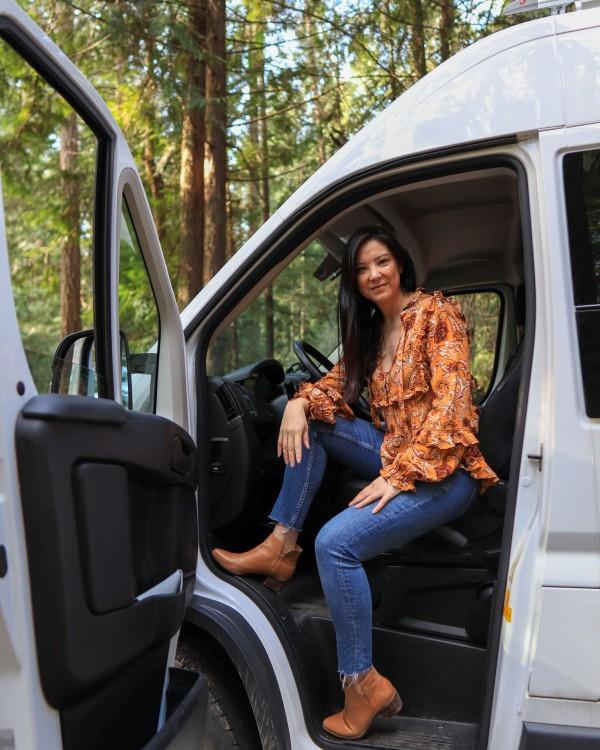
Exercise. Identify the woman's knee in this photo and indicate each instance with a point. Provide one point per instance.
(329, 542)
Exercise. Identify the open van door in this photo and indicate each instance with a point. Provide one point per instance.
(98, 520)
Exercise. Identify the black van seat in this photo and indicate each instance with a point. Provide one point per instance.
(498, 415)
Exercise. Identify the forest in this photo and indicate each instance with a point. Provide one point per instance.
(228, 108)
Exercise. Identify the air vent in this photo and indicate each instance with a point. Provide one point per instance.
(228, 402)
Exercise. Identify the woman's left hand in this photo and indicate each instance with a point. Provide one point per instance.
(380, 490)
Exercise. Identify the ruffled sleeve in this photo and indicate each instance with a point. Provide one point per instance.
(325, 397)
(449, 429)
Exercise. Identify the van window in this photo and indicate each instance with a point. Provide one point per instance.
(138, 320)
(47, 162)
(301, 303)
(482, 312)
(582, 195)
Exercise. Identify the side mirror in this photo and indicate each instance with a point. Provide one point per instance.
(74, 367)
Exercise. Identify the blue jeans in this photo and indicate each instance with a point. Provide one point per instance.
(356, 534)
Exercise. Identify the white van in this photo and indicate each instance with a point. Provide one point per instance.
(488, 170)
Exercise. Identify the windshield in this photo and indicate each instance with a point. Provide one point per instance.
(301, 303)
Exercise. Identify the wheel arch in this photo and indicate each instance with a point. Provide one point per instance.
(251, 662)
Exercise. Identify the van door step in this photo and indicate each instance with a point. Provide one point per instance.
(409, 733)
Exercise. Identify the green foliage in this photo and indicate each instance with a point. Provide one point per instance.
(31, 117)
(302, 77)
(482, 312)
(305, 308)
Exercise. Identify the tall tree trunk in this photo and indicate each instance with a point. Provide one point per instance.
(120, 58)
(391, 34)
(254, 39)
(154, 179)
(235, 346)
(337, 127)
(446, 27)
(314, 85)
(70, 256)
(266, 204)
(215, 161)
(191, 182)
(258, 134)
(418, 37)
(70, 259)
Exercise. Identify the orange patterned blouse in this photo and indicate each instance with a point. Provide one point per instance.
(423, 401)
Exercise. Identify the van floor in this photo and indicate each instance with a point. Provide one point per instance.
(407, 733)
(304, 597)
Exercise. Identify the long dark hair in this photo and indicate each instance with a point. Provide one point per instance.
(360, 320)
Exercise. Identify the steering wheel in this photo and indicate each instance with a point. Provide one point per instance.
(310, 357)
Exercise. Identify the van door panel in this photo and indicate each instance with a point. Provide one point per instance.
(108, 515)
(565, 666)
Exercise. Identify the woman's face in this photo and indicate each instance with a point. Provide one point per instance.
(377, 273)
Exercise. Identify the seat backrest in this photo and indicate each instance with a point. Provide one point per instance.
(497, 418)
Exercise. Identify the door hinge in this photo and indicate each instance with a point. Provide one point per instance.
(537, 456)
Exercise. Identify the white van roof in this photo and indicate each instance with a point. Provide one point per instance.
(537, 75)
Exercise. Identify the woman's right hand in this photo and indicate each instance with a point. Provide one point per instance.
(293, 432)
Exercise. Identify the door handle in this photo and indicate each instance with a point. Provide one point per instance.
(537, 456)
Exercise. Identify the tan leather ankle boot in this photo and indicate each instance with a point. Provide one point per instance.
(268, 559)
(372, 695)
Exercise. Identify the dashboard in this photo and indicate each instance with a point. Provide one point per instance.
(244, 414)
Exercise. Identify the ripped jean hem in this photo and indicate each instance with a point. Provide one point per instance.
(283, 523)
(353, 678)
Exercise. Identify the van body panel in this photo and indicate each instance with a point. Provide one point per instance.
(565, 666)
(563, 686)
(571, 440)
(564, 711)
(579, 54)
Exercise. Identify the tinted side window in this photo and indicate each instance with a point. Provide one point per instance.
(47, 161)
(582, 195)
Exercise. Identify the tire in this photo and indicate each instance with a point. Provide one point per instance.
(230, 723)
(222, 731)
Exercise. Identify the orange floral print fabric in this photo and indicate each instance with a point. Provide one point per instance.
(423, 401)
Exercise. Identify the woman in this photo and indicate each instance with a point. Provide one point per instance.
(411, 349)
